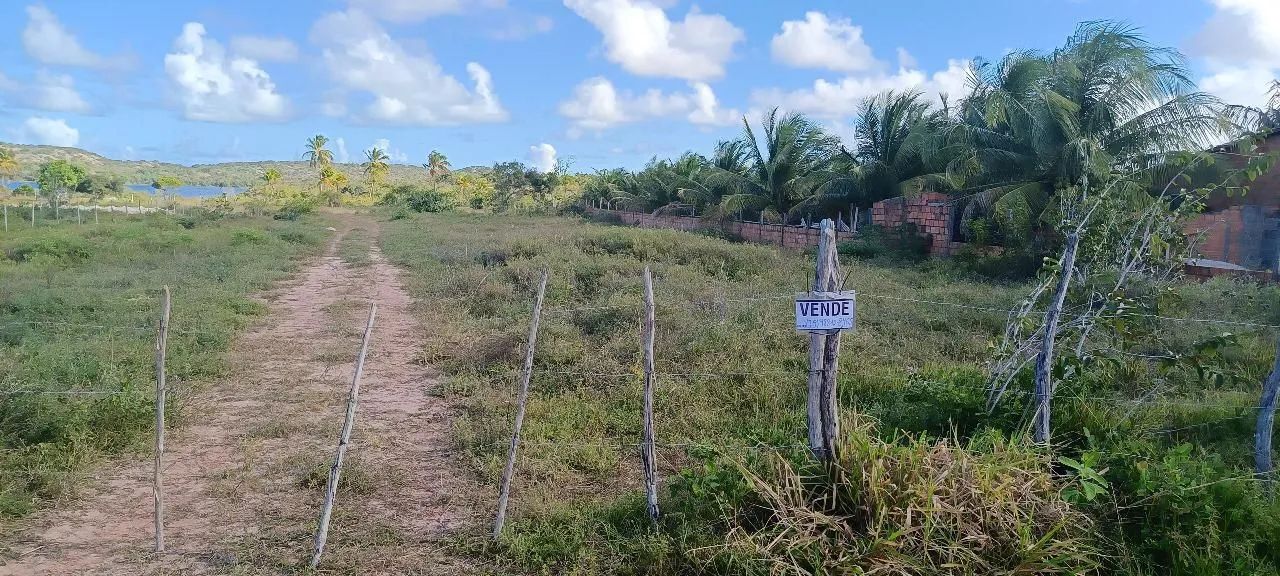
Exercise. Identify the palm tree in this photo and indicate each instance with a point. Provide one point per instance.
(333, 180)
(270, 177)
(437, 164)
(317, 155)
(901, 147)
(376, 165)
(786, 169)
(1106, 100)
(1274, 103)
(9, 167)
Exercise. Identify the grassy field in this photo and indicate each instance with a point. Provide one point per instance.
(78, 308)
(1162, 447)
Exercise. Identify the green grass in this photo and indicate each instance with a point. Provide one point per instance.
(1174, 505)
(78, 308)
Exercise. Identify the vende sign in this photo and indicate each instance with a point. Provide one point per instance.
(825, 311)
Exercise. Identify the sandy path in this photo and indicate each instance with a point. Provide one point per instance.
(245, 475)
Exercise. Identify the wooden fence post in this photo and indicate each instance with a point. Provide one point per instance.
(6, 217)
(1266, 420)
(521, 399)
(331, 488)
(1044, 360)
(649, 450)
(33, 213)
(817, 341)
(162, 346)
(828, 403)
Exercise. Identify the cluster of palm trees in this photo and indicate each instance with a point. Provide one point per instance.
(1031, 125)
(376, 167)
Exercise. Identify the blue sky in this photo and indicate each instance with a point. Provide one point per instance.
(598, 83)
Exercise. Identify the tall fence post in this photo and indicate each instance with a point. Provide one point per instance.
(822, 278)
(162, 346)
(828, 403)
(33, 213)
(6, 217)
(522, 398)
(1266, 420)
(1044, 360)
(649, 453)
(331, 488)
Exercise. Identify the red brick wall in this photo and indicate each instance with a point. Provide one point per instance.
(1264, 191)
(776, 234)
(930, 212)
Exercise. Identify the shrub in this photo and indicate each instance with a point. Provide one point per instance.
(910, 507)
(901, 243)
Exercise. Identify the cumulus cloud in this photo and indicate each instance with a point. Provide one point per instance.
(394, 154)
(407, 11)
(543, 157)
(597, 105)
(838, 99)
(639, 37)
(48, 131)
(49, 42)
(1241, 50)
(212, 87)
(48, 91)
(403, 86)
(821, 42)
(340, 151)
(264, 49)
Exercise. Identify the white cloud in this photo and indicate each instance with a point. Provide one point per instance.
(1241, 49)
(521, 26)
(905, 59)
(820, 42)
(405, 86)
(597, 105)
(341, 153)
(707, 110)
(543, 157)
(394, 154)
(48, 91)
(1244, 85)
(639, 37)
(215, 88)
(48, 131)
(264, 49)
(49, 42)
(840, 99)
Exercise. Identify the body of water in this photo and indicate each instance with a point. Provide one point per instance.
(187, 191)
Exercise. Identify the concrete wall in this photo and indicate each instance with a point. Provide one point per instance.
(786, 236)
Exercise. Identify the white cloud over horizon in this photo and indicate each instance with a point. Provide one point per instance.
(597, 105)
(47, 41)
(640, 37)
(395, 155)
(822, 42)
(405, 86)
(828, 100)
(214, 88)
(543, 157)
(48, 91)
(48, 132)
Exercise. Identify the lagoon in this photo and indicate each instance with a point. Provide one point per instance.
(186, 191)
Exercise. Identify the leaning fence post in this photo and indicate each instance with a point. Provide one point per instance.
(331, 488)
(1266, 420)
(157, 487)
(523, 396)
(817, 341)
(649, 451)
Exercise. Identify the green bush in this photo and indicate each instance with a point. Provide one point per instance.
(904, 243)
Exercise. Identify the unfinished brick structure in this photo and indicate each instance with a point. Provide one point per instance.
(1243, 231)
(931, 213)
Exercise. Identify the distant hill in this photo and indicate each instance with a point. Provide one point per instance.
(226, 174)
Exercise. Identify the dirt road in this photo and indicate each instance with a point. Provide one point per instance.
(245, 471)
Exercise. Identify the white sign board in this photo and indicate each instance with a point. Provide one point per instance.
(825, 311)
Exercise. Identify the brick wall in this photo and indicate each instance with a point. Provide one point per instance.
(1244, 235)
(931, 213)
(786, 236)
(1263, 191)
